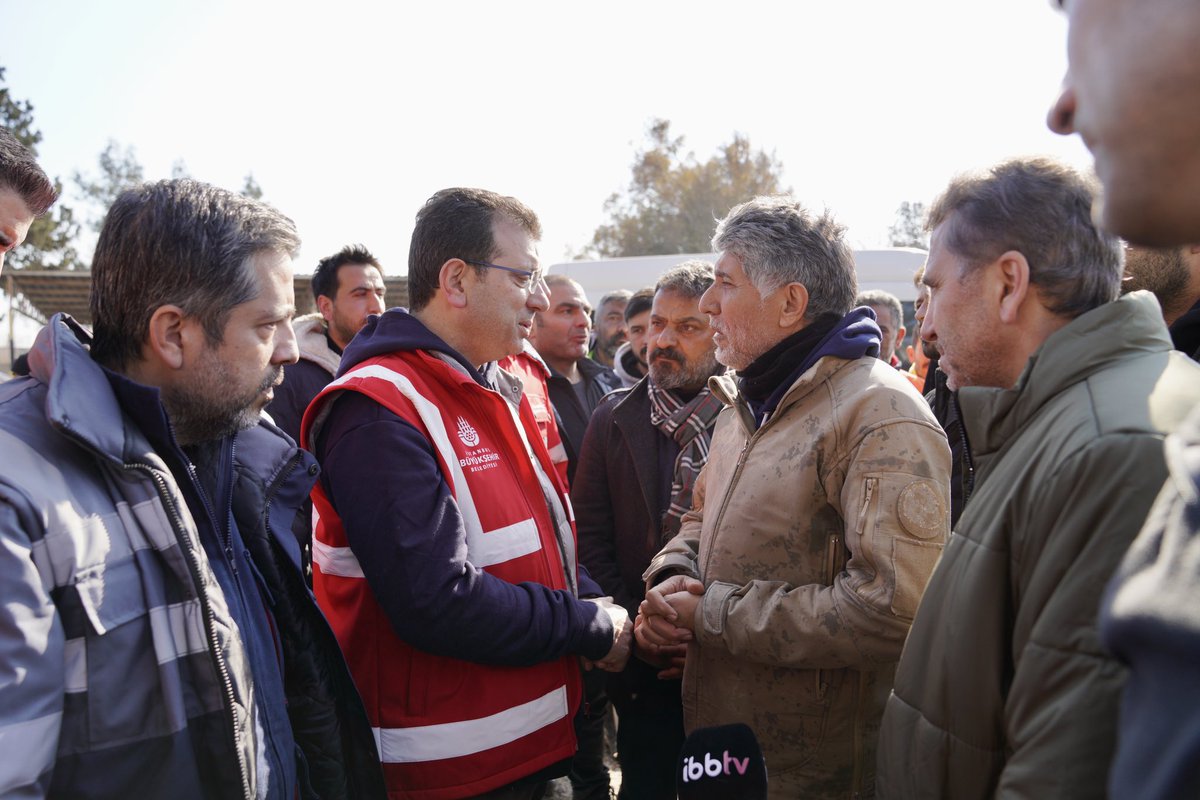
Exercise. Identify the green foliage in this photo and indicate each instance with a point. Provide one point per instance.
(673, 201)
(49, 243)
(250, 187)
(119, 170)
(909, 228)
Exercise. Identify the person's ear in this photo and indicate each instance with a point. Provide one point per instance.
(1012, 269)
(454, 278)
(325, 306)
(168, 337)
(794, 304)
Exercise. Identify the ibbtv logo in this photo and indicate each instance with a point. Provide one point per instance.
(694, 770)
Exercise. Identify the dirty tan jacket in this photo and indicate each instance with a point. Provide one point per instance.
(814, 536)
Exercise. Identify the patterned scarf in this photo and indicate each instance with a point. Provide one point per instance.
(690, 424)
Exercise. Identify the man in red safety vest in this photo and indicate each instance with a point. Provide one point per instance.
(445, 552)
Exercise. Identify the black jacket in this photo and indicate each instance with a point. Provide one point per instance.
(620, 498)
(573, 416)
(944, 403)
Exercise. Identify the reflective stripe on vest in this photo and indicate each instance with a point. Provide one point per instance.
(457, 739)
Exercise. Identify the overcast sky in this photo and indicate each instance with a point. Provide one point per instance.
(350, 114)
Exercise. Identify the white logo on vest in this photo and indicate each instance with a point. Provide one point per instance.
(466, 434)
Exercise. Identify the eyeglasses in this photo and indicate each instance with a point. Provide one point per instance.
(532, 277)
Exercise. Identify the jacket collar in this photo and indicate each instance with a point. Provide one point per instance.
(725, 387)
(312, 336)
(1088, 344)
(80, 401)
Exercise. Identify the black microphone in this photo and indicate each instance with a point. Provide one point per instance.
(722, 763)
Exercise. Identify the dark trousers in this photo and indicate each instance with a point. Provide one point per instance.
(589, 773)
(520, 791)
(649, 739)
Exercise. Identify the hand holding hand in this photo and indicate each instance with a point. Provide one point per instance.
(618, 654)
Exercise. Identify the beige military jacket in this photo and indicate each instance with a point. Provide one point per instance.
(815, 536)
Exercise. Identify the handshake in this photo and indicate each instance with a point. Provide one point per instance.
(662, 630)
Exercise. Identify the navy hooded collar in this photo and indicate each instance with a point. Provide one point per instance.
(397, 330)
(765, 382)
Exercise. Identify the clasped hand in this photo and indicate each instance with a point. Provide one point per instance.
(665, 623)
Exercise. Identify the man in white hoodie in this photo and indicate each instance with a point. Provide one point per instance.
(348, 287)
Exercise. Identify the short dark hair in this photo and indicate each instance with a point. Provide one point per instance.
(325, 279)
(178, 242)
(1043, 210)
(639, 302)
(691, 279)
(457, 223)
(20, 172)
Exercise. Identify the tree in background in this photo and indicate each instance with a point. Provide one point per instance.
(50, 241)
(672, 202)
(250, 187)
(119, 170)
(909, 228)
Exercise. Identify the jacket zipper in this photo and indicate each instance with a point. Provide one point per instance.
(214, 645)
(226, 534)
(733, 481)
(969, 463)
(280, 479)
(832, 550)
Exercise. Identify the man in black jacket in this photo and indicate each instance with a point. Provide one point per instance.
(576, 383)
(641, 453)
(347, 288)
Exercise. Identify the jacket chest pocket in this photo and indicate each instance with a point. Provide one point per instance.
(118, 649)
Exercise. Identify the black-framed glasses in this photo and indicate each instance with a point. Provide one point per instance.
(533, 276)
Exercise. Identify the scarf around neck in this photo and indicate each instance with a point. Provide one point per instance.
(690, 425)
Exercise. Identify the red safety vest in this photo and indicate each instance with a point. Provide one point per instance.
(448, 728)
(533, 372)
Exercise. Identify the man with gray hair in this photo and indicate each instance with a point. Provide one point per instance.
(889, 316)
(1065, 393)
(156, 631)
(642, 452)
(25, 192)
(817, 520)
(610, 327)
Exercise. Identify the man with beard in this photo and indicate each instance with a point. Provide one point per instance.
(630, 361)
(445, 550)
(1132, 92)
(156, 632)
(347, 288)
(816, 521)
(609, 323)
(641, 455)
(1173, 274)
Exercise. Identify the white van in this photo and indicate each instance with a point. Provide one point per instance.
(890, 269)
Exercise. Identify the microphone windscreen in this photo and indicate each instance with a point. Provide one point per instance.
(722, 763)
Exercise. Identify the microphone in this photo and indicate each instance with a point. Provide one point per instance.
(724, 762)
